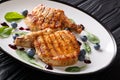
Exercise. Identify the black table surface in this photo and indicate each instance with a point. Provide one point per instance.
(107, 12)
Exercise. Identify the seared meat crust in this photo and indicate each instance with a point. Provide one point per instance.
(58, 48)
(43, 17)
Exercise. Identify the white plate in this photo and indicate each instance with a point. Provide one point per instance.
(99, 59)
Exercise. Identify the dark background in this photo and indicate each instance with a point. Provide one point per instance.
(107, 12)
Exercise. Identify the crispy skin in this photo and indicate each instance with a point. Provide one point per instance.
(43, 17)
(58, 48)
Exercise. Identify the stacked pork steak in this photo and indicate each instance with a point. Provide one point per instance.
(54, 45)
(43, 17)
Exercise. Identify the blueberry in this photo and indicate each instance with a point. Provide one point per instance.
(97, 46)
(14, 25)
(25, 12)
(4, 24)
(15, 36)
(83, 38)
(87, 61)
(82, 54)
(30, 52)
(81, 58)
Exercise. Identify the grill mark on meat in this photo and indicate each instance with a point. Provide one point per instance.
(42, 46)
(37, 16)
(52, 21)
(68, 42)
(56, 44)
(57, 17)
(45, 24)
(39, 43)
(49, 45)
(45, 13)
(61, 46)
(68, 36)
(51, 37)
(47, 50)
(73, 40)
(45, 42)
(49, 16)
(41, 17)
(38, 49)
(63, 43)
(40, 11)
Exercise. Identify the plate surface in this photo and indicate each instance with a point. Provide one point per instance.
(99, 60)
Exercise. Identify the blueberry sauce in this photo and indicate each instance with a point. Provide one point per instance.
(22, 49)
(27, 29)
(22, 28)
(4, 24)
(12, 46)
(15, 47)
(87, 61)
(49, 67)
(79, 43)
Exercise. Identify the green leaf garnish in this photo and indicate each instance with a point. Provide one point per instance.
(2, 28)
(23, 55)
(5, 31)
(21, 33)
(74, 69)
(13, 16)
(92, 38)
(87, 47)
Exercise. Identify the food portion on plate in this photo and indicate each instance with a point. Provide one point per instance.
(42, 17)
(50, 36)
(59, 48)
(54, 45)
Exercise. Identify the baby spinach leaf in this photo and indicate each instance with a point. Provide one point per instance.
(6, 32)
(2, 29)
(13, 16)
(74, 69)
(93, 38)
(23, 55)
(87, 47)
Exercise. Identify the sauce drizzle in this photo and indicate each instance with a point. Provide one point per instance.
(12, 46)
(49, 67)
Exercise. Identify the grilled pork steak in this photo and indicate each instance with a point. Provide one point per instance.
(58, 48)
(43, 17)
